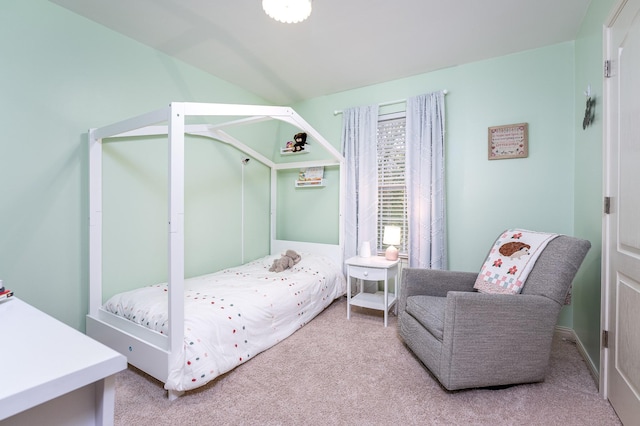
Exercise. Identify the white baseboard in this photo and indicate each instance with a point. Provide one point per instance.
(570, 335)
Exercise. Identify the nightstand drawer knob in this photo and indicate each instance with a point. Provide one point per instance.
(366, 273)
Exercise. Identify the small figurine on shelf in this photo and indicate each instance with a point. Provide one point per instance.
(300, 140)
(289, 147)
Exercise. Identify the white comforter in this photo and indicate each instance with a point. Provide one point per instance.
(234, 314)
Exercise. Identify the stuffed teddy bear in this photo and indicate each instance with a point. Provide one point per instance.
(287, 260)
(300, 140)
(295, 256)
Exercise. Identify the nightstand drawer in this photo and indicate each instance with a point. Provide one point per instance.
(366, 273)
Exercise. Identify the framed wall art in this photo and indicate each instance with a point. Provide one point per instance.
(508, 141)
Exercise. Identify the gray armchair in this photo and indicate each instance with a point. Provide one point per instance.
(469, 339)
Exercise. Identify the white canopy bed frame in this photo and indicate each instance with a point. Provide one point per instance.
(149, 350)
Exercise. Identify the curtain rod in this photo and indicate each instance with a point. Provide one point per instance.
(336, 112)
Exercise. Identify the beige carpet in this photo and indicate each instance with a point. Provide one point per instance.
(336, 371)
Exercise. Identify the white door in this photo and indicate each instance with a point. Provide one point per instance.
(621, 250)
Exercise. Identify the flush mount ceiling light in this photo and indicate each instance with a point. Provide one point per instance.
(287, 11)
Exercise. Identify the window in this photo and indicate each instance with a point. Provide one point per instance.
(392, 191)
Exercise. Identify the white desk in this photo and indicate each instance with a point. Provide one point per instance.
(374, 268)
(51, 373)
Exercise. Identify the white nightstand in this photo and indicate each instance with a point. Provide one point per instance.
(374, 268)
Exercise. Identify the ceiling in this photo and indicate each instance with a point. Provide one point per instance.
(344, 44)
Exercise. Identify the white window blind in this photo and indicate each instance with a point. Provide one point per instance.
(392, 192)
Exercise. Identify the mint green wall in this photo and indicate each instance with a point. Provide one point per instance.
(485, 197)
(60, 75)
(589, 178)
(308, 214)
(216, 192)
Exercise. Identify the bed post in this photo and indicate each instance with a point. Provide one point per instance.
(95, 223)
(176, 233)
(342, 204)
(273, 208)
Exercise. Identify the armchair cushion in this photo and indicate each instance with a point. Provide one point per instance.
(429, 312)
(510, 260)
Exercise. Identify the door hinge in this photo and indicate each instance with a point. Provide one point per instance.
(605, 339)
(607, 68)
(607, 205)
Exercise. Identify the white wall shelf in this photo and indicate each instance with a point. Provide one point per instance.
(311, 184)
(288, 151)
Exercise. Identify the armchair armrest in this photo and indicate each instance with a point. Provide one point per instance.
(433, 282)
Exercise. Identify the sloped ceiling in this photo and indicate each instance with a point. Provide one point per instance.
(345, 44)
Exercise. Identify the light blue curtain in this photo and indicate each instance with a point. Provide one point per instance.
(425, 181)
(359, 147)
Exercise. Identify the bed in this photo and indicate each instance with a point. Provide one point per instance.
(186, 332)
(234, 314)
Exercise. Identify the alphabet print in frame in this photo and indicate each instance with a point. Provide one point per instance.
(508, 141)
